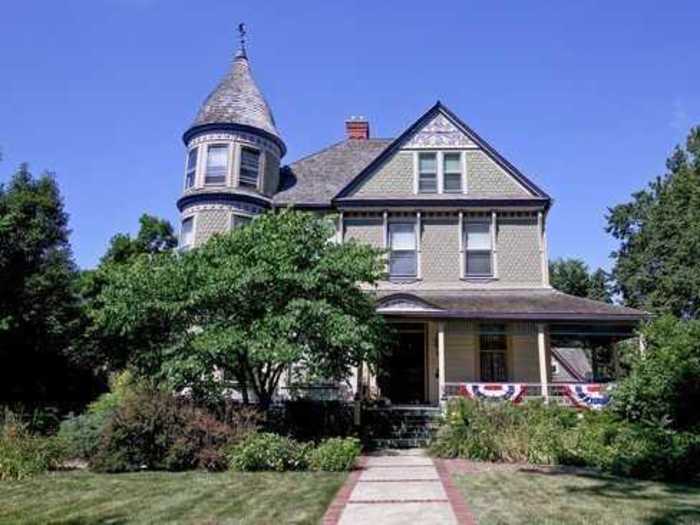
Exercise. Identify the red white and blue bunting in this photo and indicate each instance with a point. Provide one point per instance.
(512, 392)
(587, 396)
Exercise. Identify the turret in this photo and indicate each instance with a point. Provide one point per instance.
(232, 158)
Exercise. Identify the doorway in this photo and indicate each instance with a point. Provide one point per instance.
(402, 370)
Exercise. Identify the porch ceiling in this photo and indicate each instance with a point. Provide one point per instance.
(527, 304)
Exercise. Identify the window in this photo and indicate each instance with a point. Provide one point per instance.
(187, 233)
(493, 350)
(191, 168)
(250, 165)
(452, 172)
(217, 164)
(402, 242)
(427, 173)
(478, 249)
(238, 221)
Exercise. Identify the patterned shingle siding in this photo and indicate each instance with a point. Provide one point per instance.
(519, 259)
(485, 177)
(272, 174)
(395, 177)
(368, 230)
(209, 222)
(440, 250)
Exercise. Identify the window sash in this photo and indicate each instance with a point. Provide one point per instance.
(403, 263)
(478, 249)
(478, 263)
(402, 236)
(493, 366)
(452, 182)
(427, 173)
(191, 171)
(217, 165)
(187, 232)
(250, 168)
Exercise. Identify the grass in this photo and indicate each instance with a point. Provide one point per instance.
(554, 496)
(81, 498)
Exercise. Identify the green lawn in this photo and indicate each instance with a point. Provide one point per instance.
(522, 496)
(81, 498)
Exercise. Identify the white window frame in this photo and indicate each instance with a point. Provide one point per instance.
(411, 226)
(460, 156)
(418, 172)
(221, 145)
(192, 170)
(193, 218)
(467, 249)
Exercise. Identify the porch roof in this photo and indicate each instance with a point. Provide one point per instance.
(544, 304)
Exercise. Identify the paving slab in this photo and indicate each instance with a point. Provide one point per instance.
(398, 514)
(399, 491)
(399, 473)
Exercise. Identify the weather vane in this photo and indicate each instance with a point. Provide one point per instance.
(241, 35)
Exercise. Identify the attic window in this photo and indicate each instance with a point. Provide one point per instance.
(250, 167)
(217, 164)
(427, 173)
(452, 172)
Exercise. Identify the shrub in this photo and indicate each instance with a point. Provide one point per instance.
(81, 434)
(662, 387)
(335, 454)
(154, 429)
(23, 454)
(312, 420)
(267, 451)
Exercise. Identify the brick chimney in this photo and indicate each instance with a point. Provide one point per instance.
(357, 128)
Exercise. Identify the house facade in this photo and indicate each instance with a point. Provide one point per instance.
(467, 285)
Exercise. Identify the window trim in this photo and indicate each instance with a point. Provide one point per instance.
(411, 226)
(437, 172)
(193, 218)
(227, 168)
(460, 160)
(193, 170)
(259, 152)
(481, 251)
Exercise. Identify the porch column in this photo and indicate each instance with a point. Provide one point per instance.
(544, 366)
(441, 361)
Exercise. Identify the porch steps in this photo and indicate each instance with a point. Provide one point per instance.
(399, 426)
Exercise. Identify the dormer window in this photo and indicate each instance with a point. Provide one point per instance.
(217, 164)
(250, 168)
(191, 171)
(402, 242)
(427, 173)
(452, 172)
(478, 249)
(187, 233)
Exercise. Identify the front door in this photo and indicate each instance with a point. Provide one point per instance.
(402, 371)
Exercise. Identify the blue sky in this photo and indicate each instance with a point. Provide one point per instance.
(587, 98)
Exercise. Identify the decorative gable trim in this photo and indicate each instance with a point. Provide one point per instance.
(414, 133)
(439, 133)
(405, 303)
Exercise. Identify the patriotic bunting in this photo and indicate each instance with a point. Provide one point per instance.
(587, 396)
(493, 392)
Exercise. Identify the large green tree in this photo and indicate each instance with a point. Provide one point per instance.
(248, 304)
(657, 266)
(38, 304)
(573, 276)
(100, 348)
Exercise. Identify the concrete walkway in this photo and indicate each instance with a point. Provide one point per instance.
(397, 487)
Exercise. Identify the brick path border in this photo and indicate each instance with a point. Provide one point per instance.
(459, 505)
(335, 509)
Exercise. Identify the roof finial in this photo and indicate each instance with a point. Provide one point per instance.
(241, 37)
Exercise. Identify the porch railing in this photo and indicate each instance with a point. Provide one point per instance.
(578, 395)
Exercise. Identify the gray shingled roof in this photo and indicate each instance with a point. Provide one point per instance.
(237, 100)
(316, 179)
(544, 304)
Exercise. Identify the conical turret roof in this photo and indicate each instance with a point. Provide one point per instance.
(238, 100)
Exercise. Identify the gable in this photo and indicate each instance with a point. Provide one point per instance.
(486, 173)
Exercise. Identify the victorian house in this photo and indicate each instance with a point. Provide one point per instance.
(468, 286)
